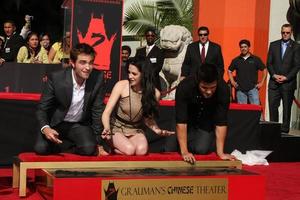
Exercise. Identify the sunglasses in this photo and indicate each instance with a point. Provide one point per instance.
(204, 34)
(285, 32)
(150, 35)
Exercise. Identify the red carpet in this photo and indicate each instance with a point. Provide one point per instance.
(282, 182)
(6, 191)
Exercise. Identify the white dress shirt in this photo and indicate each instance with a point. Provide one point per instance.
(205, 46)
(149, 48)
(74, 113)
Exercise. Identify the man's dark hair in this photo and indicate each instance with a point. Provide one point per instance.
(287, 26)
(203, 28)
(81, 48)
(244, 41)
(150, 29)
(207, 73)
(10, 22)
(126, 48)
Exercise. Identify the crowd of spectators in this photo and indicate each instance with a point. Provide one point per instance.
(32, 47)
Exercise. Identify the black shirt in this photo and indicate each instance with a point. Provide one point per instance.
(246, 71)
(195, 110)
(11, 48)
(124, 70)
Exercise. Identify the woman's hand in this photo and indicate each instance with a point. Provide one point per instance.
(35, 60)
(106, 134)
(165, 133)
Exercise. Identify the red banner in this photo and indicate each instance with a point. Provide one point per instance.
(99, 24)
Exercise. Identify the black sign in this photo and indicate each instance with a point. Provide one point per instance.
(25, 78)
(99, 24)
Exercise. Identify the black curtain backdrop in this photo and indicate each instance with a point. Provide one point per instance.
(243, 131)
(48, 15)
(18, 129)
(24, 78)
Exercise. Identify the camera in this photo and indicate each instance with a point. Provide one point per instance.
(28, 17)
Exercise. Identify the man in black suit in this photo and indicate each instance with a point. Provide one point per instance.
(152, 53)
(283, 64)
(202, 51)
(125, 55)
(12, 43)
(71, 106)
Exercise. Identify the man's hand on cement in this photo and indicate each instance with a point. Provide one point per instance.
(188, 157)
(225, 156)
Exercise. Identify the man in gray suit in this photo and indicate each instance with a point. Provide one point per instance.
(283, 64)
(71, 106)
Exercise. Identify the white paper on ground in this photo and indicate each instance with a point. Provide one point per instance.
(255, 157)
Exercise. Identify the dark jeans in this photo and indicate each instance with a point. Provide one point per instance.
(77, 138)
(200, 141)
(274, 102)
(158, 144)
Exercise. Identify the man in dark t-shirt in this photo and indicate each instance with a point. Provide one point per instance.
(202, 103)
(246, 66)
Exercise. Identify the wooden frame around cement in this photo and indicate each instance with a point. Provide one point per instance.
(20, 167)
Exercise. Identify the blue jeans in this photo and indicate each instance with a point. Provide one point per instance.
(251, 95)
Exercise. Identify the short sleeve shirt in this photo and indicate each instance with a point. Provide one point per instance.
(193, 109)
(246, 71)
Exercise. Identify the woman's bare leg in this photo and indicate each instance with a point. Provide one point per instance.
(122, 144)
(141, 144)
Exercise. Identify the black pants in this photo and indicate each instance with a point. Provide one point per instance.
(200, 141)
(158, 144)
(77, 138)
(274, 102)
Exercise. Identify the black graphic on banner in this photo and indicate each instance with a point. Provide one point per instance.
(111, 193)
(99, 24)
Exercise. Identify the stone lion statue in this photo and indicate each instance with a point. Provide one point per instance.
(174, 40)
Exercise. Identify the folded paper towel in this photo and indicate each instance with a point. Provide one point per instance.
(255, 157)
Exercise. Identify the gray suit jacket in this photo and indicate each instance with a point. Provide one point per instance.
(288, 66)
(57, 96)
